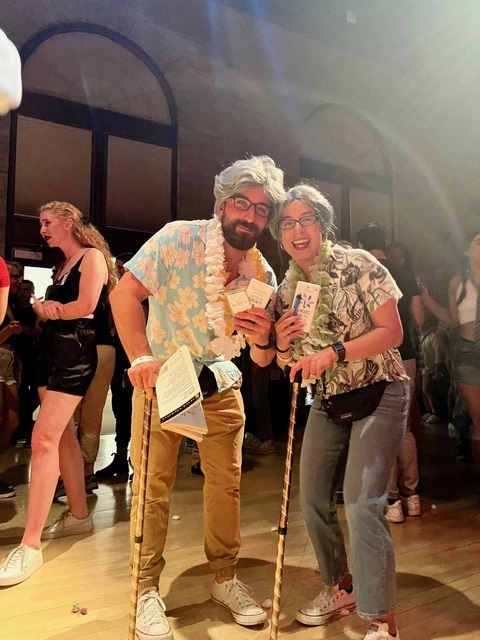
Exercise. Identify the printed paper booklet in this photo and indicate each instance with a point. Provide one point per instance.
(179, 396)
(305, 302)
(257, 294)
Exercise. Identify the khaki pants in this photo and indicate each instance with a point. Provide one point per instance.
(221, 457)
(89, 412)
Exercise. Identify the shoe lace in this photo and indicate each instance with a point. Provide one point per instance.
(375, 633)
(61, 518)
(151, 605)
(324, 600)
(241, 593)
(16, 558)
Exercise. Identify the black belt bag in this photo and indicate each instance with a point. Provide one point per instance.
(208, 382)
(345, 408)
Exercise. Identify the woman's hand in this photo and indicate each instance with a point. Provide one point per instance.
(254, 323)
(144, 376)
(53, 310)
(287, 328)
(313, 366)
(14, 327)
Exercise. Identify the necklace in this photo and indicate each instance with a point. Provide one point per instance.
(321, 334)
(226, 343)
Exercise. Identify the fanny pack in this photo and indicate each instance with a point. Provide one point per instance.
(345, 408)
(208, 382)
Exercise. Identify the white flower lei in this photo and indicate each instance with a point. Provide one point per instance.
(224, 343)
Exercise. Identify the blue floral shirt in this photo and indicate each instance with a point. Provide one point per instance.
(171, 265)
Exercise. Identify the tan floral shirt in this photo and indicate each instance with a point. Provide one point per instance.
(360, 285)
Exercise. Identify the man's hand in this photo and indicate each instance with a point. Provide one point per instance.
(144, 376)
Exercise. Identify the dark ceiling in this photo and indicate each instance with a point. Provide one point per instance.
(399, 33)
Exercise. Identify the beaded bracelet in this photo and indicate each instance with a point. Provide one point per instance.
(284, 359)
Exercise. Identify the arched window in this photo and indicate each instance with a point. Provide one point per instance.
(344, 156)
(97, 127)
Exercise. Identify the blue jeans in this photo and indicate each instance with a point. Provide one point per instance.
(367, 452)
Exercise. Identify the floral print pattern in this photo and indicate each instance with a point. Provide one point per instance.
(360, 285)
(171, 265)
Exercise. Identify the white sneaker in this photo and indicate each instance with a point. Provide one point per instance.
(19, 565)
(379, 631)
(151, 622)
(395, 513)
(67, 525)
(328, 604)
(237, 598)
(412, 506)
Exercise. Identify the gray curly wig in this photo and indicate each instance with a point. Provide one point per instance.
(257, 171)
(315, 200)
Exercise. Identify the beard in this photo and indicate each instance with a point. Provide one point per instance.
(238, 239)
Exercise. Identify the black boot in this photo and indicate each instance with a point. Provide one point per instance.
(118, 467)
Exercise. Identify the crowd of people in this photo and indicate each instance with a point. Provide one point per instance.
(360, 361)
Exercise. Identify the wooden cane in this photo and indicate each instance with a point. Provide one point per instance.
(139, 515)
(282, 527)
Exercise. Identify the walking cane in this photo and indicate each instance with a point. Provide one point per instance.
(282, 527)
(139, 516)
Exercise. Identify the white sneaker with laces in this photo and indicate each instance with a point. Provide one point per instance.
(237, 598)
(67, 525)
(19, 565)
(151, 622)
(395, 512)
(379, 631)
(412, 506)
(328, 604)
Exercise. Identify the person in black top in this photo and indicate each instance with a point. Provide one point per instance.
(403, 497)
(66, 365)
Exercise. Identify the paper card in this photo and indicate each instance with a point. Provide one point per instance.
(238, 301)
(305, 302)
(259, 293)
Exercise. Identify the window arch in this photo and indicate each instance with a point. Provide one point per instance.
(346, 157)
(98, 127)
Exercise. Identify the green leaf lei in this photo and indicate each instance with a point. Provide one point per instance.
(321, 334)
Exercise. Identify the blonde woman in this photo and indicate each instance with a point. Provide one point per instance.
(66, 365)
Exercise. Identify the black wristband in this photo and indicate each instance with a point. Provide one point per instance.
(265, 347)
(339, 350)
(281, 350)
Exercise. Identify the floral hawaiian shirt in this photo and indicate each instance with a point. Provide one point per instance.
(171, 265)
(360, 285)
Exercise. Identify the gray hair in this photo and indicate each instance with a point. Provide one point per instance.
(314, 199)
(257, 171)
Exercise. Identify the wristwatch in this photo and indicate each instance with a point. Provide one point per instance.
(339, 350)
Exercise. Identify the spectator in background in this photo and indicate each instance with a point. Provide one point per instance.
(25, 346)
(4, 288)
(66, 366)
(463, 313)
(6, 489)
(9, 367)
(403, 497)
(122, 391)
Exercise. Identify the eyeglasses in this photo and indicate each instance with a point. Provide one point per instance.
(243, 204)
(304, 221)
(15, 276)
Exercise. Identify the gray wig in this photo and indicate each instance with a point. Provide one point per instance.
(257, 171)
(314, 199)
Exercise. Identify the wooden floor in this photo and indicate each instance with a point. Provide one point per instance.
(438, 558)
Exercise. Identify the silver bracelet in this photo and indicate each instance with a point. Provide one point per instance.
(141, 359)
